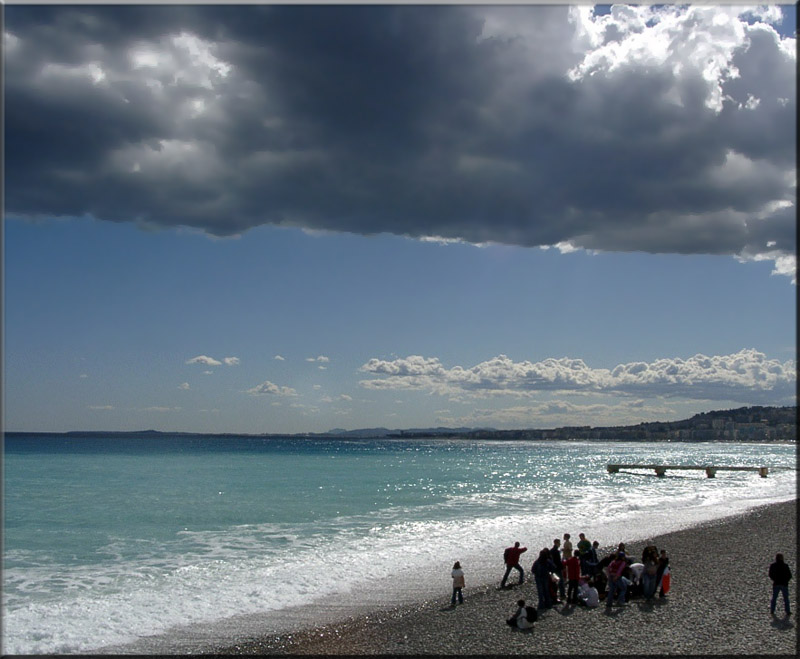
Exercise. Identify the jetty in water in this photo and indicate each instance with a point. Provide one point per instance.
(710, 470)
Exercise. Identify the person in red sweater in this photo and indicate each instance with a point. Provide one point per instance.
(572, 568)
(511, 557)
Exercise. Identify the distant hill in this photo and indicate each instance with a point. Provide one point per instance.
(385, 432)
(755, 423)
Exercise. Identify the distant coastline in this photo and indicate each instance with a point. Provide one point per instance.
(744, 424)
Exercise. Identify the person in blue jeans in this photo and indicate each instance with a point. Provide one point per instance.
(780, 574)
(616, 584)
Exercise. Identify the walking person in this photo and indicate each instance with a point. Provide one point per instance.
(458, 583)
(511, 557)
(780, 574)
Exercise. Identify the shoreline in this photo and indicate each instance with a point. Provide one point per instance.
(719, 604)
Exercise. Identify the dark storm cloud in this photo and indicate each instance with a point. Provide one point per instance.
(659, 130)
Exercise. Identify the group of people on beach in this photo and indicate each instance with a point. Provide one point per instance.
(590, 578)
(578, 576)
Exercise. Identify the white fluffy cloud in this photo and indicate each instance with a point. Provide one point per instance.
(747, 376)
(210, 361)
(185, 386)
(268, 388)
(203, 359)
(331, 399)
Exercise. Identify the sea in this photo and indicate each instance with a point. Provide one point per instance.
(173, 544)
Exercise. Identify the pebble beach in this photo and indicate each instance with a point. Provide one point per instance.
(718, 604)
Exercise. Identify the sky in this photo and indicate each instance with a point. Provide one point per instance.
(287, 219)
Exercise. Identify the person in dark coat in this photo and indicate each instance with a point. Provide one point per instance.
(780, 574)
(542, 569)
(592, 560)
(555, 556)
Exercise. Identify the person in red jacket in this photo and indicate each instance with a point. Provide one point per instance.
(511, 557)
(572, 568)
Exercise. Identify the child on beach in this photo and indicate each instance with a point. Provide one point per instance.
(523, 617)
(587, 594)
(458, 583)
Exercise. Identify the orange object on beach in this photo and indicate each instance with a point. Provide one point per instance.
(665, 579)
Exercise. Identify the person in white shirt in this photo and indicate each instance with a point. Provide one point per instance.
(636, 570)
(593, 598)
(458, 583)
(588, 594)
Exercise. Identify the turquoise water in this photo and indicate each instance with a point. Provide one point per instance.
(110, 539)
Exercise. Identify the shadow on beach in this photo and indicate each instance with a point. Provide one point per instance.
(783, 624)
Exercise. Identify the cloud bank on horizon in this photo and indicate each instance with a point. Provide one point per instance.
(745, 376)
(656, 129)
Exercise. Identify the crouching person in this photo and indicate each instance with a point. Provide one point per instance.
(523, 617)
(587, 594)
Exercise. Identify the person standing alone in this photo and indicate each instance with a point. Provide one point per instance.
(458, 584)
(780, 574)
(511, 557)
